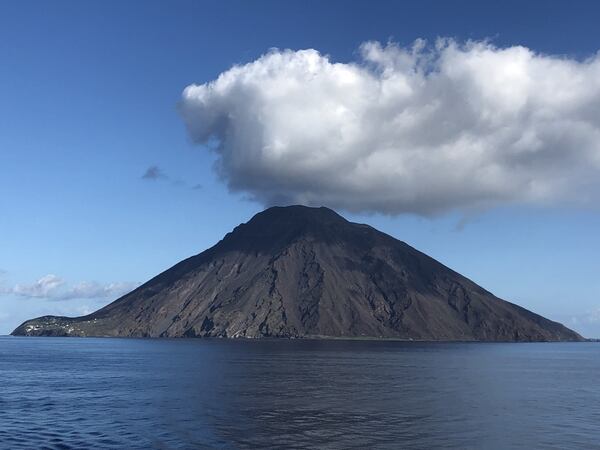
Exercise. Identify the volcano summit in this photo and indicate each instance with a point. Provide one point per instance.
(307, 272)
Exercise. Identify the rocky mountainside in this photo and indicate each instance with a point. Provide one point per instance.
(307, 272)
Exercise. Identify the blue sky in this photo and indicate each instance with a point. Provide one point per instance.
(89, 94)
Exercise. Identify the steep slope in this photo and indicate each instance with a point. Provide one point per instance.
(301, 272)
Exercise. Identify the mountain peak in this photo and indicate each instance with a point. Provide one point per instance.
(278, 226)
(299, 214)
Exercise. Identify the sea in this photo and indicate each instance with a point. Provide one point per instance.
(85, 393)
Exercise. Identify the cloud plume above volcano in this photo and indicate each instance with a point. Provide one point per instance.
(422, 129)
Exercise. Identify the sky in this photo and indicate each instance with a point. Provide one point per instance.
(136, 134)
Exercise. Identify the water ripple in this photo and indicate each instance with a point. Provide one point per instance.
(182, 394)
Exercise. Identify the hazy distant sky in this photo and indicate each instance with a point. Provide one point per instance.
(102, 185)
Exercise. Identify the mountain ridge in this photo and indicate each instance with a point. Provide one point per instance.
(298, 272)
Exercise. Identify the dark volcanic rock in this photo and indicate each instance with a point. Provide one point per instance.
(307, 272)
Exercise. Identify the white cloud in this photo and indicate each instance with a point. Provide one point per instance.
(91, 289)
(46, 287)
(55, 288)
(594, 316)
(590, 317)
(423, 129)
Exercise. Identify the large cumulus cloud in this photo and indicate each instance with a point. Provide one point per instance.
(422, 129)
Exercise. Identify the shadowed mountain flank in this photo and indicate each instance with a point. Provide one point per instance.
(307, 272)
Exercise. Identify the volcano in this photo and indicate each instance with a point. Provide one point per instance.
(300, 272)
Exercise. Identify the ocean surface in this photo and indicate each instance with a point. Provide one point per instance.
(191, 393)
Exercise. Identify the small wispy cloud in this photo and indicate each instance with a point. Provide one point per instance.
(593, 316)
(2, 287)
(52, 287)
(154, 173)
(590, 317)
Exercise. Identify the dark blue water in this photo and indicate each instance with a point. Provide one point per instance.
(130, 393)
